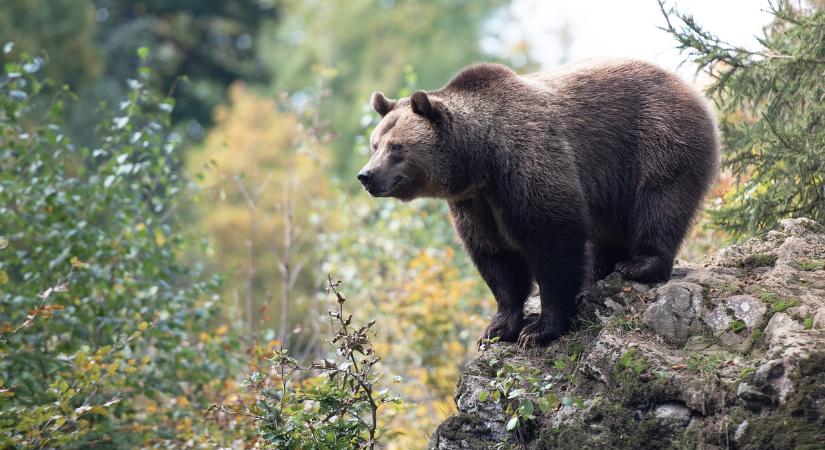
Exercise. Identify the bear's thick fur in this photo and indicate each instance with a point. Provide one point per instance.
(599, 165)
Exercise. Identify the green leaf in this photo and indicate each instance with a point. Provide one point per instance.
(515, 393)
(513, 423)
(548, 402)
(143, 53)
(483, 395)
(559, 364)
(526, 407)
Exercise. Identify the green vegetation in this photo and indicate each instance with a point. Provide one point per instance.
(808, 322)
(526, 393)
(770, 102)
(99, 319)
(194, 54)
(738, 325)
(337, 408)
(778, 304)
(704, 363)
(630, 360)
(812, 265)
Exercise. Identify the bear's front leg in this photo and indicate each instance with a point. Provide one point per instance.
(508, 276)
(505, 271)
(558, 264)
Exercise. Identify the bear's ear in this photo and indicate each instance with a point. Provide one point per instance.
(382, 105)
(429, 108)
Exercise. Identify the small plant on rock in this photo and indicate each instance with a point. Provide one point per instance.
(525, 392)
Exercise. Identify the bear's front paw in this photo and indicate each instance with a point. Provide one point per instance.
(541, 332)
(506, 327)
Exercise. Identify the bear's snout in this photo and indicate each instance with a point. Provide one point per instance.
(366, 178)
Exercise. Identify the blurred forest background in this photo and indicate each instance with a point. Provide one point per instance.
(177, 181)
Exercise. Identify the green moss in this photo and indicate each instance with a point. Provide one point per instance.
(746, 373)
(738, 325)
(630, 360)
(812, 265)
(799, 423)
(719, 290)
(754, 340)
(609, 424)
(808, 322)
(758, 260)
(778, 304)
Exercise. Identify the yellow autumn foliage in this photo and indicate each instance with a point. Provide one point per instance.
(430, 322)
(252, 164)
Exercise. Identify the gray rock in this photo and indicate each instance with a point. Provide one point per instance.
(748, 309)
(673, 413)
(739, 307)
(754, 397)
(779, 328)
(689, 388)
(740, 431)
(677, 304)
(775, 373)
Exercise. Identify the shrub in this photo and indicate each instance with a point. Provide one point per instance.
(104, 336)
(331, 404)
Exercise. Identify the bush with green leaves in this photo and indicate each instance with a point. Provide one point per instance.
(331, 404)
(772, 106)
(99, 323)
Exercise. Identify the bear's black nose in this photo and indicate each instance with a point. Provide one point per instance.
(365, 177)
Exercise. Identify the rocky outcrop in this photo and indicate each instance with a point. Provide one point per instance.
(730, 355)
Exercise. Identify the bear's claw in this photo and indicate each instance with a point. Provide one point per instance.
(506, 327)
(539, 333)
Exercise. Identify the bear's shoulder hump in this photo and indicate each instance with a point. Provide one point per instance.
(479, 76)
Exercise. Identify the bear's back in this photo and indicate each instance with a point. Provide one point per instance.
(630, 104)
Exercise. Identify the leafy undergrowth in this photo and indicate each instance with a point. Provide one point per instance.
(330, 404)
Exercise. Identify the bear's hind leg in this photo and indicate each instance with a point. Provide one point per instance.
(662, 216)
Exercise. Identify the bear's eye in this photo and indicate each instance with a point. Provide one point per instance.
(396, 147)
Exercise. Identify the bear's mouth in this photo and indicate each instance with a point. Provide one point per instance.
(387, 189)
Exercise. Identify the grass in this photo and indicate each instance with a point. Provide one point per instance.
(778, 304)
(746, 372)
(758, 260)
(698, 362)
(812, 265)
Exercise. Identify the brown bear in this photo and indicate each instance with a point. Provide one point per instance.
(600, 165)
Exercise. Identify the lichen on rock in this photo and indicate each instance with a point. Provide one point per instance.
(730, 355)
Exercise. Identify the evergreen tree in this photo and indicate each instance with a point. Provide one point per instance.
(772, 115)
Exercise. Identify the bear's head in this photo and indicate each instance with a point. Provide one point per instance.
(409, 158)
